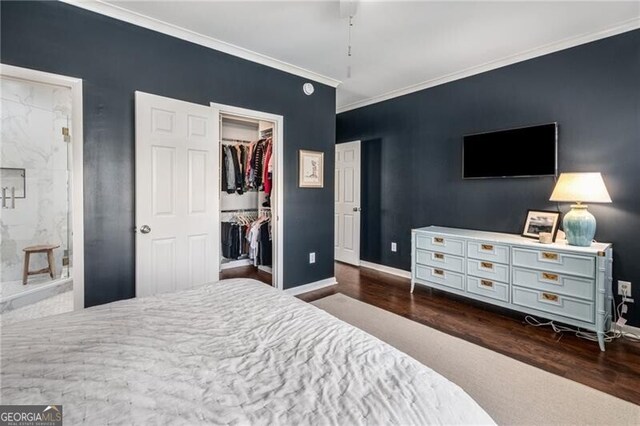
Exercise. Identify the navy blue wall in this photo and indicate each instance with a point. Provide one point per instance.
(412, 150)
(114, 59)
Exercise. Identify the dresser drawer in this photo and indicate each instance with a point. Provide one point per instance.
(488, 288)
(440, 276)
(441, 244)
(555, 283)
(488, 251)
(490, 270)
(584, 266)
(440, 260)
(554, 303)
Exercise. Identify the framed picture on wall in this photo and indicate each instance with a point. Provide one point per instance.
(311, 169)
(539, 221)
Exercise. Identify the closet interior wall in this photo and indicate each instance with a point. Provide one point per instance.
(247, 205)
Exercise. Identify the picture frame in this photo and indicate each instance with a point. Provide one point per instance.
(538, 221)
(311, 169)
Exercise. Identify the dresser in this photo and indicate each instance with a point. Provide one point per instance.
(559, 282)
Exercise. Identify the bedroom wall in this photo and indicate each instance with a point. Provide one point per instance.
(412, 150)
(114, 59)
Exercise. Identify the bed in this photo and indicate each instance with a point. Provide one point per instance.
(232, 352)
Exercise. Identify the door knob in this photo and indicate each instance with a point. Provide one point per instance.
(357, 209)
(145, 229)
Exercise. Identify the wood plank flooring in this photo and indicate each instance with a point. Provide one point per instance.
(616, 371)
(246, 272)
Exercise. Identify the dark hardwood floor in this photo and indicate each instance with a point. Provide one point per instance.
(616, 371)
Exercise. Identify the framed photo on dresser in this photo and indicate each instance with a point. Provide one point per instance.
(539, 221)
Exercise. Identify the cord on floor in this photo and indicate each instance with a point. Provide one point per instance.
(609, 336)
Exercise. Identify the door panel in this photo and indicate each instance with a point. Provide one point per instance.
(347, 204)
(164, 268)
(198, 188)
(176, 197)
(164, 180)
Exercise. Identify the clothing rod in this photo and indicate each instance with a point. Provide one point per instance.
(236, 140)
(238, 210)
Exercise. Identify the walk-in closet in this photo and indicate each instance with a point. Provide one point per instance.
(247, 187)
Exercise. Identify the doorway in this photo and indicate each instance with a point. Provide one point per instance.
(251, 194)
(42, 270)
(347, 203)
(178, 191)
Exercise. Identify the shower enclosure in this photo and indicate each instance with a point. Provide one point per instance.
(35, 173)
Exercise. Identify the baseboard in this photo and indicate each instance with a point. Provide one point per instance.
(386, 269)
(630, 329)
(236, 264)
(267, 269)
(328, 282)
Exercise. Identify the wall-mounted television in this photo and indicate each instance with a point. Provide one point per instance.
(520, 152)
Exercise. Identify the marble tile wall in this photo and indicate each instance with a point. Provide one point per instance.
(33, 116)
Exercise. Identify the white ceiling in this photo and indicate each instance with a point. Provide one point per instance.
(396, 45)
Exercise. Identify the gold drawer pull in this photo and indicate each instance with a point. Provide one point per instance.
(487, 265)
(487, 246)
(486, 283)
(438, 272)
(438, 256)
(550, 277)
(550, 297)
(438, 240)
(550, 256)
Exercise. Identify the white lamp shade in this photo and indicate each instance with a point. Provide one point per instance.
(580, 187)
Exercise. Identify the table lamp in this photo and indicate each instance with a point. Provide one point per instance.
(579, 224)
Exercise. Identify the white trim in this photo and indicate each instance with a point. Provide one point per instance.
(317, 285)
(77, 143)
(386, 269)
(277, 198)
(125, 15)
(267, 269)
(235, 264)
(630, 329)
(568, 43)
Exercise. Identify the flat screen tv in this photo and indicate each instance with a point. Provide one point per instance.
(521, 152)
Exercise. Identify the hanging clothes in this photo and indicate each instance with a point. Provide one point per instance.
(257, 165)
(267, 167)
(229, 170)
(259, 239)
(230, 240)
(265, 246)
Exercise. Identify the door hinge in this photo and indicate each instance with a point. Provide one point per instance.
(65, 133)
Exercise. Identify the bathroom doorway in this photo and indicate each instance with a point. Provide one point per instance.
(38, 168)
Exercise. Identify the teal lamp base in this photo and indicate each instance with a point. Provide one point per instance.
(579, 226)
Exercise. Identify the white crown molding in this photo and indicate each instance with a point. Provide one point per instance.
(144, 21)
(630, 25)
(317, 285)
(386, 269)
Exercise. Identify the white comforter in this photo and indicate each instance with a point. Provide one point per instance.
(233, 352)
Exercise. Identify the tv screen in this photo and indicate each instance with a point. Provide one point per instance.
(521, 152)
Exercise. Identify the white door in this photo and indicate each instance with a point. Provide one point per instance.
(347, 220)
(177, 226)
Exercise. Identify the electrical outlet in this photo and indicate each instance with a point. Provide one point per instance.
(394, 247)
(624, 288)
(312, 257)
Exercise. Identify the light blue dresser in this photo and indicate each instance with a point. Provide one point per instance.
(556, 281)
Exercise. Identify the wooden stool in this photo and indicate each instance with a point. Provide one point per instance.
(47, 248)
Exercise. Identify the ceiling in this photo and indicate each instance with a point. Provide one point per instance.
(397, 47)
